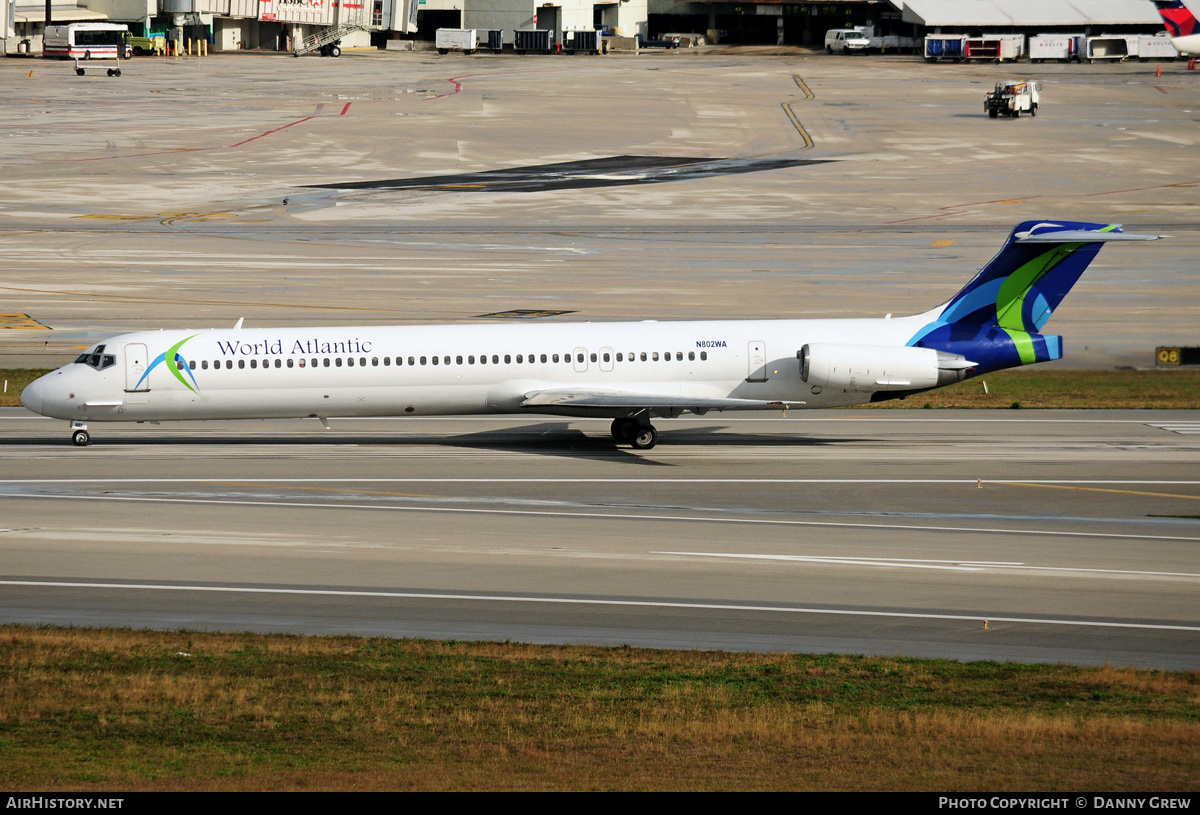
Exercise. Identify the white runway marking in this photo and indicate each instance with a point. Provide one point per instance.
(800, 417)
(556, 480)
(954, 565)
(1182, 428)
(618, 516)
(903, 563)
(400, 595)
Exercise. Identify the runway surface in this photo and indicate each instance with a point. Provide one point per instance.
(700, 184)
(385, 188)
(1013, 535)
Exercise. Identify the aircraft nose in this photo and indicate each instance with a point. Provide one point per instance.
(34, 394)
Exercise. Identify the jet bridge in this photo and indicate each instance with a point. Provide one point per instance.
(311, 25)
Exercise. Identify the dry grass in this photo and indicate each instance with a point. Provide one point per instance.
(14, 381)
(104, 710)
(1035, 387)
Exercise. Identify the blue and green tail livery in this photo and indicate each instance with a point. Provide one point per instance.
(997, 318)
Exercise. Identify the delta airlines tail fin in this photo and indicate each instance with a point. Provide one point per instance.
(1181, 25)
(996, 318)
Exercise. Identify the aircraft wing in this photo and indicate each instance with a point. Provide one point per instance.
(633, 400)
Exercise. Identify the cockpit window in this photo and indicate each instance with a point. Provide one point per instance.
(97, 360)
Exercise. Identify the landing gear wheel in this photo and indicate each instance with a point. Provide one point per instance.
(110, 72)
(644, 438)
(623, 430)
(80, 438)
(78, 72)
(116, 71)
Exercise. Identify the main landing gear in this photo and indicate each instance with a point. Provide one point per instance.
(79, 434)
(641, 435)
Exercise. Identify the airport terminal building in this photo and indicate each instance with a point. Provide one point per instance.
(229, 25)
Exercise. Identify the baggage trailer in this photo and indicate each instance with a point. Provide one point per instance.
(586, 41)
(456, 39)
(494, 38)
(893, 42)
(1061, 47)
(994, 47)
(532, 39)
(1157, 46)
(1107, 47)
(944, 46)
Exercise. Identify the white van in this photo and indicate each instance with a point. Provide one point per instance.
(846, 40)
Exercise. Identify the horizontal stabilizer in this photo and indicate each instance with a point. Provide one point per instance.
(1084, 236)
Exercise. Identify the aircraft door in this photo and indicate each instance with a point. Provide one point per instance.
(579, 358)
(756, 361)
(606, 359)
(136, 360)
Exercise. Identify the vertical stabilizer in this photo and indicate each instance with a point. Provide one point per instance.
(1181, 25)
(997, 318)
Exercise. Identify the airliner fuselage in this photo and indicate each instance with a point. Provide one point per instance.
(445, 369)
(630, 372)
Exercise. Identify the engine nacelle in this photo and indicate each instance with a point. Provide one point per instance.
(871, 368)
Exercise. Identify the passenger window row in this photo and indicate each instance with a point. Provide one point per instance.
(414, 361)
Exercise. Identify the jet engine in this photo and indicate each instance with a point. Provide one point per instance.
(871, 368)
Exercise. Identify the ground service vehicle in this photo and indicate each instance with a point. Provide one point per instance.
(846, 41)
(148, 45)
(88, 41)
(1012, 98)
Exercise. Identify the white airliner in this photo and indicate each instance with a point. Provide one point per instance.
(630, 372)
(1179, 17)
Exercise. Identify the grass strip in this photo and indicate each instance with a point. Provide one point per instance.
(14, 380)
(96, 709)
(1034, 387)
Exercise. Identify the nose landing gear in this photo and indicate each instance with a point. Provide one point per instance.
(79, 434)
